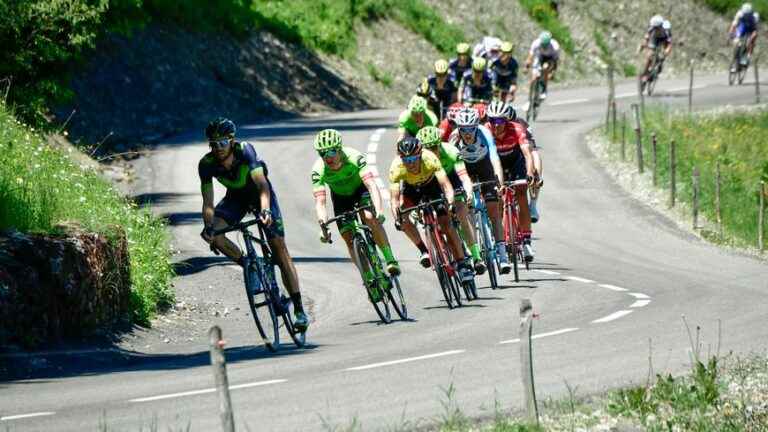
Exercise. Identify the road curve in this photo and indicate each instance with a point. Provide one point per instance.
(611, 274)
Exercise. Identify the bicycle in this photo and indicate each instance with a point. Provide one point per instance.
(737, 70)
(511, 224)
(654, 70)
(439, 254)
(484, 234)
(534, 95)
(378, 284)
(268, 304)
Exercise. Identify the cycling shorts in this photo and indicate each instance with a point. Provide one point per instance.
(513, 165)
(344, 203)
(541, 59)
(233, 209)
(742, 31)
(431, 190)
(482, 171)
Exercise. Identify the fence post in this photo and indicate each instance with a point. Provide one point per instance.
(690, 90)
(672, 174)
(638, 140)
(757, 81)
(718, 208)
(696, 192)
(526, 359)
(611, 99)
(623, 136)
(761, 218)
(613, 120)
(219, 365)
(653, 155)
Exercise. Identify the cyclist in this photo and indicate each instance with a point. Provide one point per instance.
(504, 73)
(478, 150)
(421, 177)
(237, 166)
(461, 63)
(476, 85)
(488, 48)
(744, 26)
(454, 167)
(544, 51)
(516, 160)
(415, 117)
(442, 88)
(344, 170)
(656, 35)
(448, 124)
(538, 179)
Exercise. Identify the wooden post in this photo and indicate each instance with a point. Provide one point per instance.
(672, 174)
(526, 359)
(609, 105)
(653, 155)
(638, 140)
(761, 218)
(219, 365)
(613, 120)
(718, 207)
(696, 195)
(624, 136)
(757, 81)
(690, 90)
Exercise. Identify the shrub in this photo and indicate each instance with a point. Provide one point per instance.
(542, 12)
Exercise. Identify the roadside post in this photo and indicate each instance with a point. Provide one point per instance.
(624, 136)
(672, 179)
(638, 139)
(696, 197)
(613, 120)
(526, 360)
(718, 206)
(219, 365)
(761, 218)
(757, 80)
(653, 155)
(690, 89)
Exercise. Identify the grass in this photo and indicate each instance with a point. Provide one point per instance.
(384, 78)
(542, 12)
(729, 7)
(735, 140)
(40, 187)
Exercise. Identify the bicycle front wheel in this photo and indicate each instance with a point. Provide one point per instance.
(371, 281)
(742, 74)
(397, 298)
(484, 236)
(262, 308)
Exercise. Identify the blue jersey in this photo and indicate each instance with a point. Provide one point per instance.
(746, 23)
(484, 146)
(473, 91)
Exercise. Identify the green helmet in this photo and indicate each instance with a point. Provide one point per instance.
(429, 136)
(545, 38)
(417, 104)
(327, 139)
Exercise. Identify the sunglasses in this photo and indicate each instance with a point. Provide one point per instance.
(411, 159)
(220, 144)
(467, 130)
(329, 153)
(498, 121)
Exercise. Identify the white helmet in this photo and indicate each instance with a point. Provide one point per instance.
(746, 8)
(499, 109)
(467, 117)
(657, 21)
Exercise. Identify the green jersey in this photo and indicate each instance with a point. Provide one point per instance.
(345, 180)
(406, 121)
(450, 158)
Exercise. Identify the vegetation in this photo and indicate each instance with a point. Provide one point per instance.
(729, 7)
(41, 187)
(546, 16)
(735, 140)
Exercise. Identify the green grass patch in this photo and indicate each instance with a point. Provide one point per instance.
(542, 12)
(730, 7)
(382, 77)
(41, 187)
(736, 140)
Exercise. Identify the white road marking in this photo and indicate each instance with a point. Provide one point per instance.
(23, 416)
(381, 130)
(372, 146)
(613, 316)
(204, 391)
(640, 303)
(696, 87)
(625, 95)
(568, 102)
(613, 287)
(371, 158)
(639, 296)
(405, 360)
(375, 138)
(542, 335)
(579, 279)
(547, 272)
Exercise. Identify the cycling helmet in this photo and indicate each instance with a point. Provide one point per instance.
(506, 47)
(498, 109)
(467, 117)
(452, 110)
(441, 67)
(220, 128)
(462, 48)
(545, 38)
(746, 8)
(423, 88)
(656, 21)
(429, 136)
(408, 146)
(478, 64)
(327, 139)
(417, 104)
(512, 113)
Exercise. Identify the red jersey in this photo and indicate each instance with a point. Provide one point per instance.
(514, 136)
(446, 127)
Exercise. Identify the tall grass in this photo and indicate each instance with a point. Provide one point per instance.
(738, 141)
(542, 12)
(40, 187)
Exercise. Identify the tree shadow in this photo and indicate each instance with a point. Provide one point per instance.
(194, 265)
(183, 218)
(158, 198)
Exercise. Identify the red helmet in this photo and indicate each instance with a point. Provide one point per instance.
(453, 109)
(480, 107)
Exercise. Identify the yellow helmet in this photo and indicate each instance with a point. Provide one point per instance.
(441, 67)
(462, 48)
(423, 89)
(478, 64)
(506, 47)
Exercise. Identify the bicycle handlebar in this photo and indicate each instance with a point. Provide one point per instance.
(237, 227)
(344, 215)
(478, 185)
(421, 206)
(516, 183)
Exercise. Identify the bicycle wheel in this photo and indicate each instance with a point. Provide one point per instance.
(397, 298)
(489, 253)
(650, 85)
(262, 308)
(456, 287)
(533, 98)
(370, 275)
(742, 73)
(733, 71)
(470, 290)
(437, 263)
(299, 338)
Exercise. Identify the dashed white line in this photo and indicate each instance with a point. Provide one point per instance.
(579, 279)
(613, 316)
(568, 102)
(696, 87)
(380, 130)
(371, 158)
(547, 272)
(405, 360)
(640, 303)
(613, 287)
(23, 416)
(542, 335)
(204, 391)
(372, 146)
(639, 296)
(625, 95)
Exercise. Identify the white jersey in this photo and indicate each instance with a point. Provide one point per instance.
(483, 48)
(537, 50)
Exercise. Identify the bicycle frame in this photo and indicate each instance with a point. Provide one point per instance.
(428, 218)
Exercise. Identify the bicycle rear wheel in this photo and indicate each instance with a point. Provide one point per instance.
(262, 308)
(533, 99)
(443, 277)
(370, 275)
(484, 236)
(733, 71)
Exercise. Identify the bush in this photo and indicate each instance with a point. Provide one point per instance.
(729, 7)
(542, 12)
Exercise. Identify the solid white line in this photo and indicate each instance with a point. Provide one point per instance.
(639, 296)
(613, 287)
(640, 303)
(568, 102)
(696, 87)
(204, 391)
(511, 341)
(23, 416)
(578, 279)
(613, 316)
(405, 360)
(542, 335)
(548, 272)
(624, 95)
(371, 158)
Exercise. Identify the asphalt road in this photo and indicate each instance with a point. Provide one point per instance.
(611, 275)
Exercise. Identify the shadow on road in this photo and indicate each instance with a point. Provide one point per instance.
(159, 198)
(197, 264)
(183, 218)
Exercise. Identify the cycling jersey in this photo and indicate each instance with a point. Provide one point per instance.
(344, 181)
(483, 146)
(450, 159)
(545, 53)
(473, 91)
(658, 36)
(446, 127)
(528, 131)
(429, 165)
(511, 139)
(745, 23)
(504, 75)
(445, 94)
(407, 122)
(456, 70)
(484, 48)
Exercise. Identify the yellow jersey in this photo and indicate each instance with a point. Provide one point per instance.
(429, 166)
